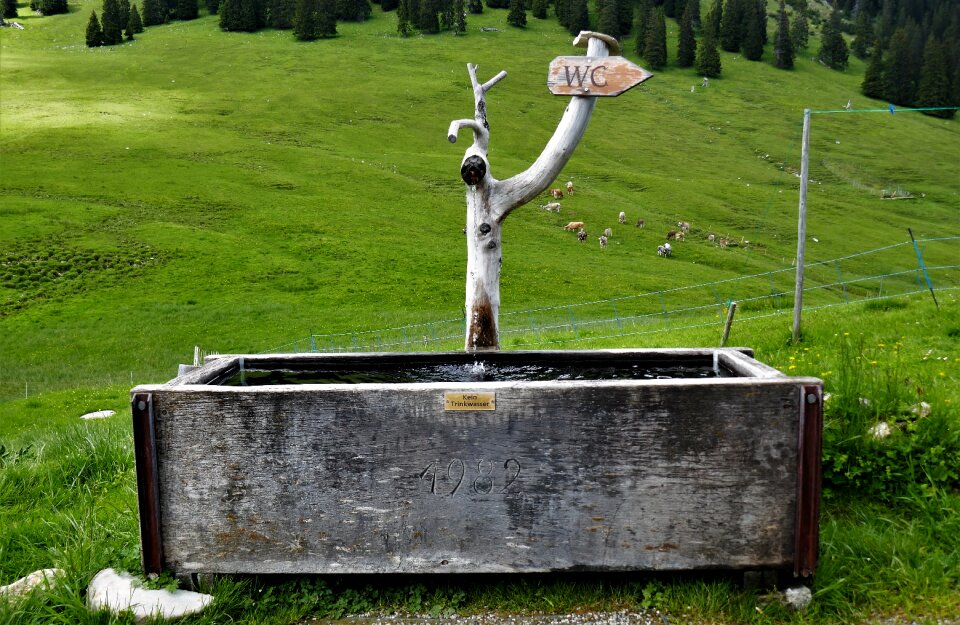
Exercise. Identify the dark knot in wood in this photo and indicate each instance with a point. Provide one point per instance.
(473, 170)
(484, 228)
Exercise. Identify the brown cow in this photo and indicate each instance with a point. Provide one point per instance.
(573, 226)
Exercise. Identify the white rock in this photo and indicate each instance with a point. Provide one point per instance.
(44, 577)
(922, 409)
(120, 592)
(99, 414)
(798, 598)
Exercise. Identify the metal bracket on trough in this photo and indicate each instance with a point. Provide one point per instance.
(808, 481)
(148, 485)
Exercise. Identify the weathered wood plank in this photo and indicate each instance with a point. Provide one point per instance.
(677, 474)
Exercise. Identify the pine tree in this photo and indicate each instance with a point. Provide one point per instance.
(625, 16)
(863, 35)
(579, 18)
(708, 56)
(608, 22)
(281, 14)
(327, 18)
(498, 4)
(110, 21)
(94, 32)
(539, 9)
(459, 18)
(752, 41)
(388, 5)
(934, 87)
(783, 54)
(54, 7)
(731, 26)
(800, 31)
(900, 78)
(212, 6)
(694, 7)
(760, 6)
(10, 9)
(403, 18)
(475, 6)
(353, 10)
(152, 13)
(518, 14)
(306, 19)
(714, 19)
(642, 24)
(187, 10)
(135, 24)
(687, 41)
(427, 21)
(874, 82)
(655, 49)
(833, 48)
(124, 14)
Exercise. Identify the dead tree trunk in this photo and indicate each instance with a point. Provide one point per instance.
(489, 200)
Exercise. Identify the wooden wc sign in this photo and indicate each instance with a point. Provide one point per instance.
(594, 76)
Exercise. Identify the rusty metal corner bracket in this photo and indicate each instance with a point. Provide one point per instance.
(148, 483)
(807, 528)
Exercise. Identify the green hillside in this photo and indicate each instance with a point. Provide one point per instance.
(237, 191)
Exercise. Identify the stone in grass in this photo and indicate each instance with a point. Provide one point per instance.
(121, 592)
(798, 598)
(99, 414)
(43, 577)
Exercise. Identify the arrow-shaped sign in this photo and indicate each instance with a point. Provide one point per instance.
(593, 76)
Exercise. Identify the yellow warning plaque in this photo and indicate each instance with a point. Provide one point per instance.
(469, 401)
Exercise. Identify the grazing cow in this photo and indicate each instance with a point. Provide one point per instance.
(573, 226)
(684, 226)
(581, 235)
(570, 187)
(641, 223)
(553, 207)
(557, 193)
(679, 236)
(623, 217)
(724, 242)
(608, 232)
(603, 241)
(671, 234)
(664, 250)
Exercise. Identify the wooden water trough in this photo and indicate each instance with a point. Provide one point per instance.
(338, 463)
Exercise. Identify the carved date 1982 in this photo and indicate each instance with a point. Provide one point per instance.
(456, 477)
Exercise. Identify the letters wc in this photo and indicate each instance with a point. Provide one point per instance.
(349, 463)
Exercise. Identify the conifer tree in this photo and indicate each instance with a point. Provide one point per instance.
(761, 8)
(708, 56)
(403, 18)
(94, 31)
(498, 4)
(124, 13)
(135, 24)
(427, 21)
(731, 26)
(579, 17)
(459, 18)
(10, 9)
(899, 76)
(783, 54)
(714, 19)
(874, 83)
(752, 41)
(539, 9)
(212, 6)
(642, 24)
(327, 18)
(475, 6)
(655, 49)
(306, 19)
(624, 16)
(561, 9)
(863, 35)
(54, 7)
(353, 10)
(833, 48)
(934, 87)
(687, 41)
(800, 31)
(518, 14)
(110, 21)
(669, 8)
(608, 20)
(388, 5)
(187, 10)
(280, 14)
(694, 7)
(153, 14)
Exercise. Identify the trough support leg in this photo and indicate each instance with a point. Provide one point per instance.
(807, 537)
(148, 485)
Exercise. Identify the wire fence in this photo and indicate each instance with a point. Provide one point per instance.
(906, 268)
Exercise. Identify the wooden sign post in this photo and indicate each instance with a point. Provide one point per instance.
(489, 200)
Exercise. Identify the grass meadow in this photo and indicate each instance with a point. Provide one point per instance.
(239, 191)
